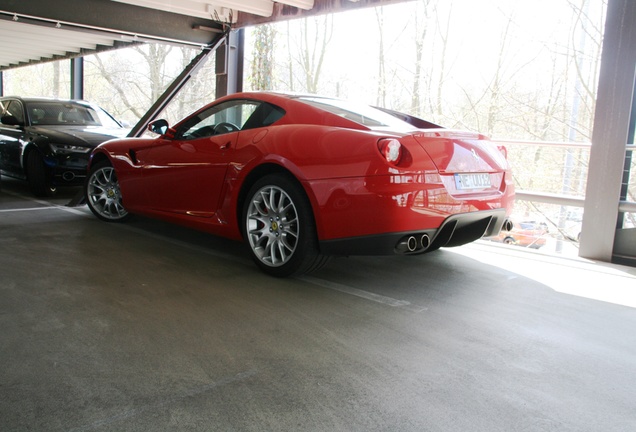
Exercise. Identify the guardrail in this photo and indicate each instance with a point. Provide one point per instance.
(562, 199)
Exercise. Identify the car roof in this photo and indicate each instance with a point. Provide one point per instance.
(266, 95)
(45, 99)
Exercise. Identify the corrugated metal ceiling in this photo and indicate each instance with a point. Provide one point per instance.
(23, 43)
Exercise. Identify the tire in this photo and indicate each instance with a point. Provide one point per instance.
(279, 227)
(509, 240)
(103, 195)
(38, 175)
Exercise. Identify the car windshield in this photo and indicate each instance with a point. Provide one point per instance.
(359, 113)
(59, 113)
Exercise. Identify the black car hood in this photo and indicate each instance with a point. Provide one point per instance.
(78, 135)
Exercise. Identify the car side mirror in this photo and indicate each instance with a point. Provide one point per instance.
(10, 120)
(160, 127)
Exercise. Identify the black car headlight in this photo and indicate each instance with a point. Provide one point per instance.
(68, 149)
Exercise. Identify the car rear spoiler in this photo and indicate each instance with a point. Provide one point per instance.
(412, 120)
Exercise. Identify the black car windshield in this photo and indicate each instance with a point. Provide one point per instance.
(61, 113)
(359, 113)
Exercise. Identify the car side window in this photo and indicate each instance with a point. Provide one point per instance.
(3, 107)
(265, 115)
(219, 119)
(13, 108)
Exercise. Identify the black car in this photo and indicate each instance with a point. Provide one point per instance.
(48, 141)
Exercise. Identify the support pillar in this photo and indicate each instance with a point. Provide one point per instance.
(611, 126)
(229, 64)
(77, 78)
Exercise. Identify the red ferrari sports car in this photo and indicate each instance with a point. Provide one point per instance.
(301, 178)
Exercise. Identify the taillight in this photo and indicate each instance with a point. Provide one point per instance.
(391, 149)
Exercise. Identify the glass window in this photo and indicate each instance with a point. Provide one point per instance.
(65, 113)
(121, 81)
(265, 115)
(13, 108)
(229, 117)
(105, 119)
(359, 113)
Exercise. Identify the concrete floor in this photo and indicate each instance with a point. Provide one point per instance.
(150, 327)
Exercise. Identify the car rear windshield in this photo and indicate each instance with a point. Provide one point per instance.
(59, 113)
(359, 113)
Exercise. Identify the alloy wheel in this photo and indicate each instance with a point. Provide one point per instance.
(272, 226)
(104, 196)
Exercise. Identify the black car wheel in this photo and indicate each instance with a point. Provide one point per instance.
(279, 227)
(38, 175)
(102, 194)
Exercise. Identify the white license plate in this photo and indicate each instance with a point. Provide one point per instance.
(472, 181)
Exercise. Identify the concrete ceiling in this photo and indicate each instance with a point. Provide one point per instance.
(36, 31)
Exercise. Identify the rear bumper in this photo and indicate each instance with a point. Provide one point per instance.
(456, 230)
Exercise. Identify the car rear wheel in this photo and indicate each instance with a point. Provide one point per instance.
(509, 240)
(279, 227)
(38, 175)
(102, 194)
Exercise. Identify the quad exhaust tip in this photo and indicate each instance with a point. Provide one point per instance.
(507, 225)
(425, 241)
(412, 243)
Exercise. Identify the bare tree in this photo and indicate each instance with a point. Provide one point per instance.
(200, 89)
(421, 28)
(262, 70)
(381, 97)
(290, 59)
(586, 41)
(314, 40)
(155, 56)
(56, 79)
(444, 33)
(118, 86)
(129, 83)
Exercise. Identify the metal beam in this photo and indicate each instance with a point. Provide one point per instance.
(549, 198)
(173, 89)
(611, 125)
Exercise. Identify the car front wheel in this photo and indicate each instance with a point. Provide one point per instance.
(102, 194)
(279, 227)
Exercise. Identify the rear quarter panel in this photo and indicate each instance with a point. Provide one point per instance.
(315, 152)
(342, 170)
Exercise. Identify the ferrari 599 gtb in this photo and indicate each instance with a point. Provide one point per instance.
(302, 178)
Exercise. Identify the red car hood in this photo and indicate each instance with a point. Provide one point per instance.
(461, 152)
